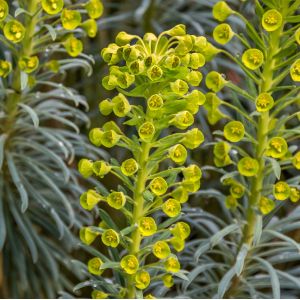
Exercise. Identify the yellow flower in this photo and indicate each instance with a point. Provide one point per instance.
(121, 106)
(95, 136)
(101, 168)
(89, 199)
(197, 60)
(248, 166)
(110, 238)
(5, 68)
(142, 279)
(168, 280)
(129, 167)
(295, 194)
(3, 10)
(73, 46)
(161, 249)
(181, 230)
(253, 58)
(277, 147)
(136, 67)
(105, 107)
(296, 160)
(221, 154)
(158, 186)
(266, 205)
(264, 102)
(70, 19)
(29, 64)
(179, 87)
(194, 78)
(85, 167)
(234, 131)
(192, 173)
(221, 11)
(129, 264)
(172, 62)
(192, 138)
(99, 295)
(116, 200)
(94, 266)
(147, 226)
(180, 194)
(212, 105)
(155, 73)
(178, 154)
(237, 190)
(172, 264)
(90, 27)
(14, 31)
(94, 9)
(171, 208)
(183, 119)
(191, 186)
(231, 202)
(52, 7)
(177, 243)
(146, 131)
(111, 54)
(271, 20)
(295, 70)
(223, 34)
(178, 30)
(87, 235)
(110, 138)
(281, 190)
(195, 97)
(155, 102)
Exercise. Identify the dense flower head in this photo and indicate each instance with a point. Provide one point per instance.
(129, 167)
(253, 58)
(221, 11)
(14, 31)
(264, 102)
(89, 199)
(52, 7)
(296, 160)
(116, 200)
(223, 33)
(248, 166)
(70, 19)
(94, 266)
(85, 167)
(29, 64)
(234, 131)
(142, 279)
(281, 190)
(129, 264)
(295, 70)
(266, 205)
(161, 249)
(271, 20)
(94, 8)
(147, 226)
(5, 68)
(172, 264)
(3, 10)
(158, 186)
(110, 238)
(171, 208)
(87, 235)
(73, 46)
(277, 147)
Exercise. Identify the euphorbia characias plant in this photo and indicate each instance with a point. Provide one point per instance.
(155, 79)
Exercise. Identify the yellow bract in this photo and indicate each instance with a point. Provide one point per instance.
(147, 226)
(277, 147)
(171, 208)
(129, 167)
(231, 202)
(296, 160)
(142, 279)
(89, 199)
(110, 238)
(94, 266)
(295, 194)
(129, 264)
(281, 190)
(116, 200)
(223, 34)
(70, 19)
(52, 7)
(181, 230)
(221, 11)
(248, 166)
(87, 235)
(271, 20)
(29, 64)
(295, 70)
(234, 131)
(161, 249)
(193, 138)
(172, 264)
(215, 81)
(147, 131)
(90, 27)
(101, 168)
(14, 31)
(168, 280)
(99, 295)
(178, 154)
(73, 46)
(158, 186)
(253, 58)
(266, 205)
(94, 9)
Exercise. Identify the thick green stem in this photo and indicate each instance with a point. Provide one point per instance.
(138, 210)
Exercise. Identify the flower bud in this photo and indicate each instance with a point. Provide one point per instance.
(248, 166)
(158, 186)
(197, 60)
(192, 173)
(264, 102)
(29, 64)
(111, 54)
(110, 238)
(215, 81)
(179, 87)
(89, 199)
(142, 279)
(183, 120)
(70, 19)
(231, 202)
(121, 106)
(137, 67)
(146, 131)
(172, 264)
(181, 230)
(124, 38)
(149, 37)
(73, 46)
(116, 200)
(14, 31)
(234, 131)
(129, 264)
(221, 11)
(129, 167)
(5, 68)
(85, 167)
(180, 194)
(271, 20)
(277, 147)
(161, 250)
(253, 58)
(296, 160)
(147, 226)
(4, 9)
(178, 154)
(171, 208)
(177, 243)
(266, 205)
(155, 73)
(95, 136)
(193, 138)
(110, 138)
(101, 168)
(295, 194)
(90, 27)
(281, 190)
(172, 62)
(52, 7)
(168, 280)
(295, 70)
(94, 9)
(96, 294)
(194, 78)
(87, 235)
(178, 30)
(94, 266)
(155, 102)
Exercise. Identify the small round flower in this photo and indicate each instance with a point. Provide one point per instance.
(266, 205)
(295, 194)
(87, 235)
(137, 66)
(231, 202)
(132, 53)
(178, 30)
(110, 238)
(237, 190)
(193, 138)
(223, 34)
(14, 31)
(96, 294)
(125, 80)
(155, 73)
(101, 168)
(94, 266)
(221, 11)
(192, 173)
(253, 58)
(221, 149)
(116, 200)
(297, 36)
(73, 46)
(194, 78)
(3, 10)
(147, 226)
(146, 131)
(172, 264)
(90, 27)
(158, 186)
(111, 54)
(184, 45)
(129, 264)
(123, 38)
(161, 249)
(181, 230)
(168, 280)
(171, 208)
(197, 60)
(215, 81)
(129, 167)
(89, 199)
(196, 97)
(281, 190)
(29, 64)
(121, 106)
(94, 9)
(110, 138)
(95, 136)
(70, 19)
(179, 87)
(295, 70)
(277, 147)
(155, 102)
(296, 160)
(178, 154)
(172, 62)
(271, 20)
(180, 194)
(5, 68)
(234, 131)
(142, 279)
(183, 119)
(248, 166)
(191, 186)
(52, 7)
(264, 102)
(177, 243)
(85, 167)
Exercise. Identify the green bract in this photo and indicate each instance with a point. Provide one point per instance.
(94, 266)
(277, 147)
(94, 8)
(116, 200)
(158, 186)
(221, 11)
(172, 264)
(89, 199)
(87, 235)
(73, 46)
(129, 167)
(266, 205)
(142, 279)
(281, 190)
(295, 70)
(161, 249)
(264, 102)
(234, 131)
(29, 64)
(215, 81)
(129, 264)
(171, 208)
(110, 238)
(147, 226)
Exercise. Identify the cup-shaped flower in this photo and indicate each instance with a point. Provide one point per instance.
(90, 27)
(3, 10)
(52, 7)
(193, 138)
(87, 235)
(295, 194)
(277, 147)
(101, 168)
(185, 45)
(231, 202)
(142, 279)
(161, 249)
(109, 138)
(181, 230)
(116, 200)
(29, 64)
(146, 131)
(94, 9)
(123, 38)
(178, 154)
(85, 167)
(137, 66)
(234, 131)
(212, 104)
(158, 186)
(129, 264)
(297, 36)
(89, 199)
(168, 280)
(296, 160)
(106, 107)
(132, 53)
(253, 58)
(194, 78)
(95, 136)
(237, 190)
(197, 60)
(172, 62)
(264, 102)
(70, 19)
(155, 73)
(215, 81)
(97, 294)
(180, 194)
(266, 205)
(110, 238)
(200, 42)
(221, 154)
(221, 11)
(121, 106)
(155, 102)
(295, 70)
(192, 173)
(281, 190)
(73, 46)
(179, 87)
(183, 119)
(191, 186)
(195, 97)
(147, 226)
(177, 30)
(271, 20)
(172, 208)
(248, 166)
(14, 31)
(129, 167)
(94, 266)
(172, 264)
(111, 54)
(5, 68)
(223, 34)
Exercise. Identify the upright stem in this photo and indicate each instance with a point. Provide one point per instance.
(138, 210)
